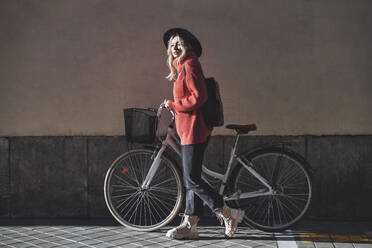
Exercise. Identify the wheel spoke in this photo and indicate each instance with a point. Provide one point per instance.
(291, 190)
(166, 182)
(167, 205)
(151, 206)
(124, 182)
(164, 200)
(169, 191)
(142, 209)
(135, 206)
(128, 201)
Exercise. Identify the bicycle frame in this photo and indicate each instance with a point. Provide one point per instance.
(173, 141)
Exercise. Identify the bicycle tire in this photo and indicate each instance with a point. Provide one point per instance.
(288, 172)
(138, 209)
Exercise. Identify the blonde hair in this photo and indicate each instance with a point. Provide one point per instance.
(184, 47)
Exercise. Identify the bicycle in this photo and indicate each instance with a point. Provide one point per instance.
(143, 188)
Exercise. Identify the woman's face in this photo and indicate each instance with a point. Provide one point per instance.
(176, 46)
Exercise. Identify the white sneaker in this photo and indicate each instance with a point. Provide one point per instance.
(231, 217)
(186, 230)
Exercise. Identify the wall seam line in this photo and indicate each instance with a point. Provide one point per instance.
(87, 163)
(9, 182)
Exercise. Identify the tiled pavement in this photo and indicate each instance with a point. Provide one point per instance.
(308, 234)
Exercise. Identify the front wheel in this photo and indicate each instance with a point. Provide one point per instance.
(137, 208)
(285, 171)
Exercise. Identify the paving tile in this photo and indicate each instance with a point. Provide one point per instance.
(3, 237)
(91, 242)
(52, 238)
(362, 245)
(76, 245)
(13, 235)
(123, 242)
(64, 242)
(53, 231)
(11, 241)
(307, 244)
(16, 245)
(24, 230)
(29, 239)
(343, 245)
(42, 235)
(40, 228)
(97, 235)
(144, 242)
(35, 242)
(47, 245)
(3, 244)
(73, 237)
(20, 245)
(83, 232)
(111, 237)
(104, 245)
(323, 245)
(106, 233)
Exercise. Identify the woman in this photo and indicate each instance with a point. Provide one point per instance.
(189, 92)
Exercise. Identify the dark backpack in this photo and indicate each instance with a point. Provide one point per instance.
(212, 109)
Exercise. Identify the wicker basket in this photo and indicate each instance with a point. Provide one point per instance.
(140, 125)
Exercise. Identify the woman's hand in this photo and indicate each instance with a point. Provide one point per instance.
(166, 103)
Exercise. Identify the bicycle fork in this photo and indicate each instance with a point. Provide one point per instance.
(171, 136)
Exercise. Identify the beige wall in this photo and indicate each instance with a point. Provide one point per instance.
(293, 67)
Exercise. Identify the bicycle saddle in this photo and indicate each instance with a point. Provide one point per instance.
(242, 128)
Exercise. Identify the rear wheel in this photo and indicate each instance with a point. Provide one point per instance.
(142, 209)
(286, 172)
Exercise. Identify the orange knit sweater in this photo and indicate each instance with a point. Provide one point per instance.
(189, 94)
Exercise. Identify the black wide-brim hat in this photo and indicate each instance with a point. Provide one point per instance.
(186, 36)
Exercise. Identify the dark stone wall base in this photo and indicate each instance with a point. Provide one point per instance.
(62, 177)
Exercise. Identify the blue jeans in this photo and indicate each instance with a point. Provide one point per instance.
(197, 190)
